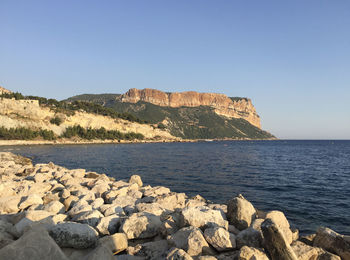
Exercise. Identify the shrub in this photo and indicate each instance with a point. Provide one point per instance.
(101, 133)
(22, 133)
(56, 120)
(161, 126)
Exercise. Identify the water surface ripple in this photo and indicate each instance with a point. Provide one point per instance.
(307, 180)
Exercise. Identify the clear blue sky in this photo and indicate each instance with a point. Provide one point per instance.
(292, 58)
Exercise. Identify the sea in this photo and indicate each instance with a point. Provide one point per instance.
(309, 180)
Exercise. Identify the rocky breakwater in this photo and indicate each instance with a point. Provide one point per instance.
(222, 104)
(50, 212)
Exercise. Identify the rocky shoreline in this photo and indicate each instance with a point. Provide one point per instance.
(50, 212)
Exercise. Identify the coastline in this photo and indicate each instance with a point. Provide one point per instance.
(80, 214)
(74, 142)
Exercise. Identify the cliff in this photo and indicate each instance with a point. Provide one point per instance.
(189, 115)
(222, 104)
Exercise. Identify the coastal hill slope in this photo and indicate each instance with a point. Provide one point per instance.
(190, 115)
(22, 116)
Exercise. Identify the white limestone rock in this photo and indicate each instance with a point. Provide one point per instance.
(240, 212)
(136, 179)
(117, 242)
(141, 225)
(203, 217)
(178, 254)
(54, 207)
(190, 239)
(74, 235)
(34, 244)
(220, 238)
(249, 253)
(281, 221)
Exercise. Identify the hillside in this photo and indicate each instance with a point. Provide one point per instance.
(186, 117)
(32, 117)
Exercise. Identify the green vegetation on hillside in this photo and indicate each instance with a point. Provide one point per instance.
(23, 133)
(186, 122)
(102, 133)
(56, 120)
(238, 98)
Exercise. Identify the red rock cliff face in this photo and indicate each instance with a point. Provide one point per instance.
(222, 104)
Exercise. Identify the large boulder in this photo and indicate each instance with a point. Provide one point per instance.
(75, 235)
(141, 225)
(79, 207)
(37, 215)
(54, 207)
(117, 242)
(109, 225)
(275, 242)
(8, 205)
(240, 212)
(92, 218)
(172, 223)
(111, 209)
(178, 254)
(196, 201)
(171, 201)
(136, 179)
(31, 199)
(251, 236)
(220, 238)
(333, 242)
(325, 255)
(281, 221)
(191, 240)
(6, 190)
(25, 224)
(6, 233)
(152, 208)
(39, 188)
(251, 253)
(303, 251)
(97, 203)
(203, 217)
(151, 250)
(124, 201)
(156, 191)
(34, 244)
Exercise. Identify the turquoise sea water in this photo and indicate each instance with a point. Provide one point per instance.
(308, 180)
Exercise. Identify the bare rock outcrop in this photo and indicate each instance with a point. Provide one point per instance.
(223, 105)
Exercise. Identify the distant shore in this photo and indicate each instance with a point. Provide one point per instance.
(70, 142)
(60, 142)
